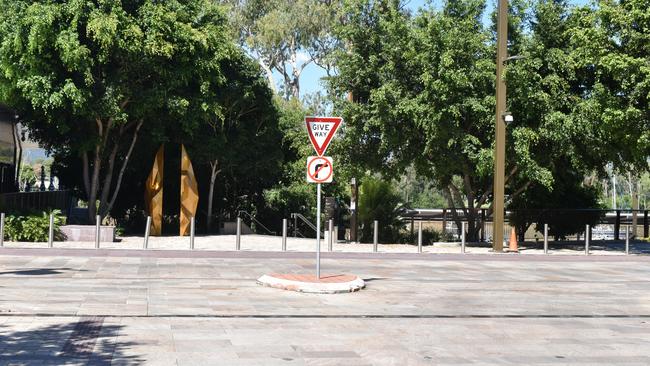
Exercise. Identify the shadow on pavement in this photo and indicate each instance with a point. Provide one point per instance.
(87, 341)
(41, 271)
(371, 279)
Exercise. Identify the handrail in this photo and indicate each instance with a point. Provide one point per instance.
(253, 219)
(304, 219)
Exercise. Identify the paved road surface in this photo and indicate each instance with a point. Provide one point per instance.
(204, 308)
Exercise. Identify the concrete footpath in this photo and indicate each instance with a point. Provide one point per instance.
(270, 243)
(166, 307)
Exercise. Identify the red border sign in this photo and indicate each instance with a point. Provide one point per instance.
(311, 160)
(336, 121)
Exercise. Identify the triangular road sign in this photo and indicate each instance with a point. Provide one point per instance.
(321, 130)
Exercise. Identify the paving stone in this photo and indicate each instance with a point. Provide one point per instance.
(456, 311)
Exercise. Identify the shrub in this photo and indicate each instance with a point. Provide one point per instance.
(33, 227)
(429, 236)
(379, 201)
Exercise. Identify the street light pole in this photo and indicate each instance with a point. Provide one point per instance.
(500, 129)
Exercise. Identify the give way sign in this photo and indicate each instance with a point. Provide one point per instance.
(321, 130)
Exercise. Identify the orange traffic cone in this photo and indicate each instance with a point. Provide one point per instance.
(513, 242)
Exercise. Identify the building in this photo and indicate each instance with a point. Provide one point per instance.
(8, 151)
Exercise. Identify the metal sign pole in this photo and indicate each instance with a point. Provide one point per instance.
(318, 230)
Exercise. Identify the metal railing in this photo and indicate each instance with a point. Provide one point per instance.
(39, 200)
(256, 221)
(607, 223)
(297, 216)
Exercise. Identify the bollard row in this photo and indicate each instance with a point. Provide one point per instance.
(587, 237)
(331, 234)
(627, 239)
(420, 237)
(284, 235)
(98, 221)
(238, 238)
(545, 238)
(2, 229)
(192, 231)
(375, 237)
(147, 230)
(50, 232)
(462, 240)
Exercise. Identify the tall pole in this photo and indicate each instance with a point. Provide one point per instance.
(500, 128)
(354, 194)
(318, 230)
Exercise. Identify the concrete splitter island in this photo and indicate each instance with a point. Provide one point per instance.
(326, 284)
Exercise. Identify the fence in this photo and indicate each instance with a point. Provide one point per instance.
(36, 201)
(606, 224)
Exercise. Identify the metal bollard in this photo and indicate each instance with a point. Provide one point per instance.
(627, 239)
(284, 235)
(295, 226)
(336, 234)
(2, 229)
(462, 237)
(545, 238)
(420, 237)
(50, 233)
(375, 237)
(331, 231)
(238, 238)
(147, 229)
(587, 240)
(98, 222)
(192, 232)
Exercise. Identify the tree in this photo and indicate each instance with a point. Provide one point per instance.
(547, 91)
(379, 201)
(566, 207)
(419, 192)
(243, 142)
(291, 193)
(423, 94)
(86, 77)
(27, 175)
(611, 41)
(285, 36)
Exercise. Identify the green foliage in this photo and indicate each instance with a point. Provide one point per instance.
(240, 150)
(87, 77)
(33, 227)
(379, 201)
(429, 237)
(27, 175)
(423, 93)
(566, 208)
(419, 192)
(285, 36)
(611, 44)
(291, 193)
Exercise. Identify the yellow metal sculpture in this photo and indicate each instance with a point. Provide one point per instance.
(153, 194)
(189, 193)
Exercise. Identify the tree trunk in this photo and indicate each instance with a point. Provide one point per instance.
(213, 177)
(18, 156)
(269, 74)
(94, 185)
(91, 181)
(118, 184)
